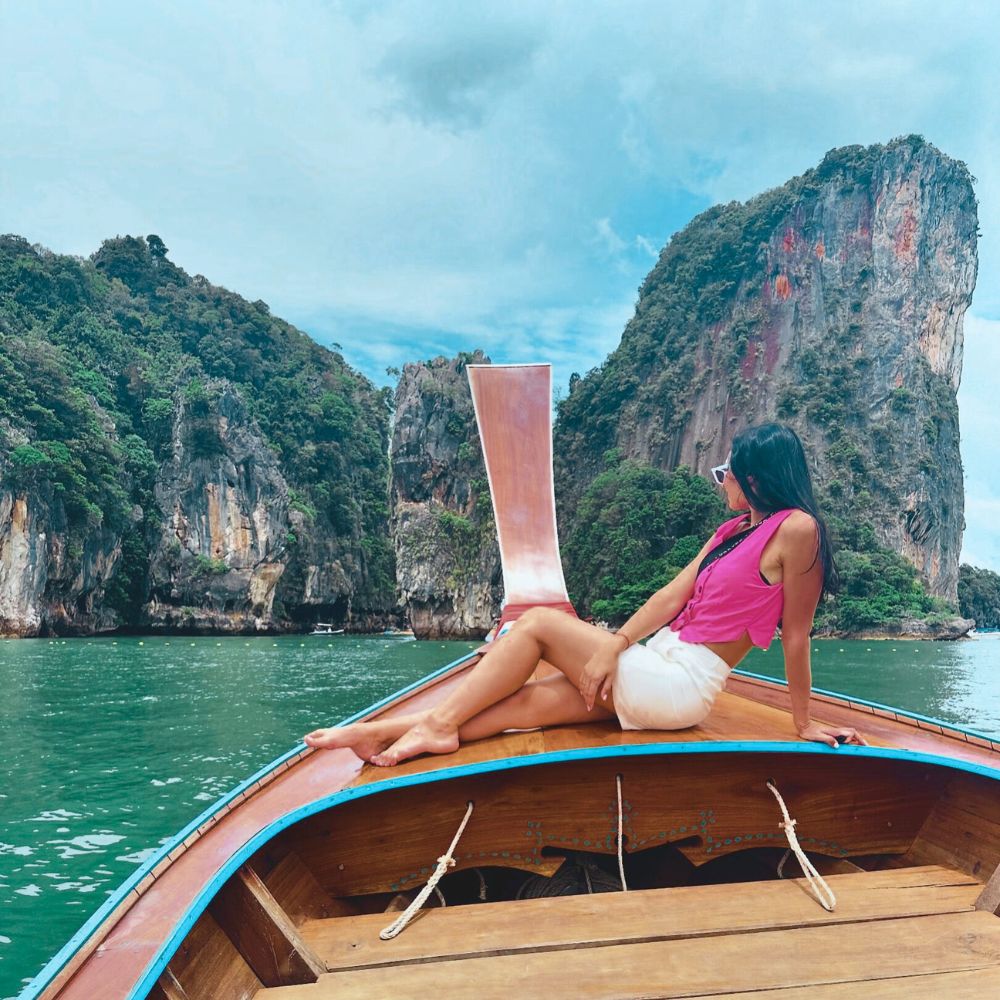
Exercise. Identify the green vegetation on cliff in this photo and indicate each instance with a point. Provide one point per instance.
(879, 589)
(95, 355)
(979, 595)
(637, 528)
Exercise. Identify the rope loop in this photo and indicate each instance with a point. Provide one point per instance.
(621, 861)
(820, 890)
(444, 862)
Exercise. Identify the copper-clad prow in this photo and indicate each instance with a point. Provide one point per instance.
(513, 406)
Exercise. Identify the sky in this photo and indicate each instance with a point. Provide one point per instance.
(408, 179)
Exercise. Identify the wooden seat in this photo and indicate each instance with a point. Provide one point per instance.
(977, 984)
(890, 927)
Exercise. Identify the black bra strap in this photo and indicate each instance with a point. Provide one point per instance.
(724, 547)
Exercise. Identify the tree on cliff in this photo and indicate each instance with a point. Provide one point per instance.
(979, 595)
(638, 528)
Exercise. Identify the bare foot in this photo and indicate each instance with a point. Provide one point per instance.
(366, 739)
(425, 737)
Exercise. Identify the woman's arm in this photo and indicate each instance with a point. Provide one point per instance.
(802, 576)
(599, 673)
(667, 602)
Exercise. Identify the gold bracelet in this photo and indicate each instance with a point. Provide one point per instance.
(628, 641)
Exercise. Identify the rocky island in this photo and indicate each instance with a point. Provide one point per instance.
(175, 458)
(835, 304)
(447, 556)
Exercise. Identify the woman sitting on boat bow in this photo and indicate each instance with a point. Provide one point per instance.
(758, 570)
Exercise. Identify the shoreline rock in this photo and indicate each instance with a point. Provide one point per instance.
(910, 629)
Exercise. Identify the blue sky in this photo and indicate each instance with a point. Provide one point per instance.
(417, 178)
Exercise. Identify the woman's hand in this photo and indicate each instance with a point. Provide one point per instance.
(820, 733)
(599, 675)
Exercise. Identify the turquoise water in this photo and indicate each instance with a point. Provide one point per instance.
(956, 682)
(111, 746)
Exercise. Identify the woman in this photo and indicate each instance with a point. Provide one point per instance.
(757, 570)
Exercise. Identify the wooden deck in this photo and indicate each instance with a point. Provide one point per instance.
(900, 933)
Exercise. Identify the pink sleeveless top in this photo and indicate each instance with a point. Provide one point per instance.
(731, 597)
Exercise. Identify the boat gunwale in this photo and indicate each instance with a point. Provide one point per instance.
(205, 820)
(941, 728)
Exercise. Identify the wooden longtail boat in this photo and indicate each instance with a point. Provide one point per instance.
(282, 888)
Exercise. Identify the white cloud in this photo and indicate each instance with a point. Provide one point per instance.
(607, 235)
(452, 77)
(570, 338)
(270, 142)
(647, 246)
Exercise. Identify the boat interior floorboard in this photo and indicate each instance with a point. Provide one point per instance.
(976, 984)
(895, 931)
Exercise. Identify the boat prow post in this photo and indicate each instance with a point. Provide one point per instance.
(513, 406)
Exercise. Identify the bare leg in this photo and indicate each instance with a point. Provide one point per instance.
(564, 641)
(550, 702)
(365, 738)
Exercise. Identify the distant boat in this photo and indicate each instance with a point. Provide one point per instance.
(397, 633)
(322, 628)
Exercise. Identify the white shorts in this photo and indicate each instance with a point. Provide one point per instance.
(668, 683)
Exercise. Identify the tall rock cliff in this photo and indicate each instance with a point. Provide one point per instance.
(172, 456)
(48, 576)
(224, 520)
(447, 557)
(835, 304)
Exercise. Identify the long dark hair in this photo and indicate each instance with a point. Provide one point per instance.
(773, 455)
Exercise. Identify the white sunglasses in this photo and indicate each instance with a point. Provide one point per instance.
(719, 471)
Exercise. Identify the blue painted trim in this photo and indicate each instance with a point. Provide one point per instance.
(55, 965)
(201, 902)
(874, 704)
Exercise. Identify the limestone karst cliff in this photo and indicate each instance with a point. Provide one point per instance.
(834, 303)
(47, 578)
(225, 521)
(447, 557)
(175, 457)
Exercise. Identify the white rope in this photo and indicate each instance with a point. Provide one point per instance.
(482, 885)
(823, 893)
(781, 863)
(621, 862)
(444, 862)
